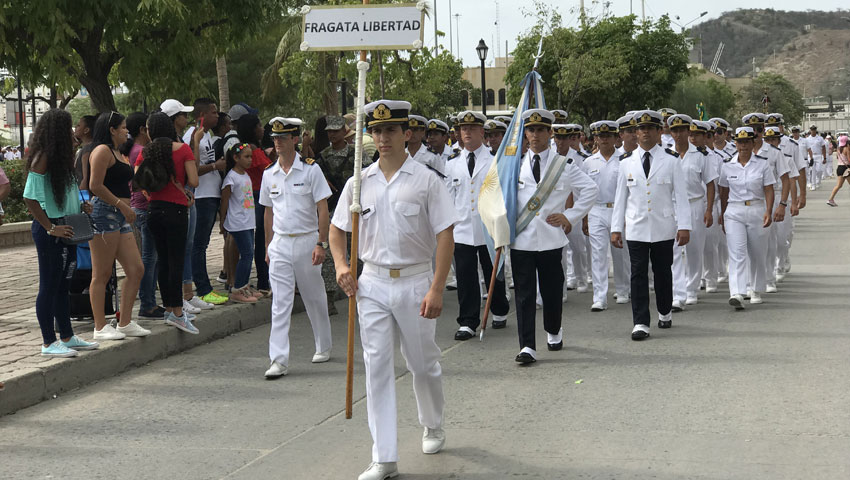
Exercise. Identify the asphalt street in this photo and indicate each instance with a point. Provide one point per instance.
(758, 394)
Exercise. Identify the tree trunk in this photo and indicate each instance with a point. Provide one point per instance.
(381, 72)
(223, 85)
(52, 100)
(97, 84)
(67, 99)
(330, 98)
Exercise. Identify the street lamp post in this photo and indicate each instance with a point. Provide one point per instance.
(683, 27)
(482, 55)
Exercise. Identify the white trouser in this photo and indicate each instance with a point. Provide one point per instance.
(291, 264)
(817, 170)
(829, 168)
(746, 238)
(773, 242)
(783, 250)
(687, 260)
(711, 251)
(387, 306)
(578, 255)
(599, 227)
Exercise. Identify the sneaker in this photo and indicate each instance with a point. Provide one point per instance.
(222, 277)
(598, 307)
(433, 440)
(623, 299)
(379, 471)
(321, 357)
(831, 203)
(254, 292)
(722, 279)
(755, 298)
(710, 288)
(678, 306)
(57, 349)
(771, 288)
(182, 323)
(108, 332)
(737, 301)
(582, 288)
(200, 304)
(214, 298)
(276, 370)
(157, 312)
(77, 343)
(188, 307)
(691, 301)
(133, 329)
(748, 295)
(780, 276)
(242, 296)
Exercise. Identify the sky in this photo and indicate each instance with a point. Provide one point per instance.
(477, 19)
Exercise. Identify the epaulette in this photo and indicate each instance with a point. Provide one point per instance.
(493, 151)
(759, 156)
(672, 152)
(788, 155)
(702, 150)
(774, 146)
(270, 166)
(436, 171)
(454, 155)
(308, 161)
(793, 141)
(727, 160)
(625, 155)
(432, 150)
(569, 160)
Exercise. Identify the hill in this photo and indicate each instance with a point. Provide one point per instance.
(807, 47)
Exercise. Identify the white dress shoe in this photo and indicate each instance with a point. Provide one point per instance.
(755, 298)
(678, 306)
(433, 440)
(276, 370)
(691, 301)
(770, 289)
(710, 288)
(379, 471)
(737, 301)
(582, 288)
(598, 307)
(622, 299)
(321, 357)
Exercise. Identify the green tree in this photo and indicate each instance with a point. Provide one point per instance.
(603, 68)
(718, 98)
(784, 99)
(156, 45)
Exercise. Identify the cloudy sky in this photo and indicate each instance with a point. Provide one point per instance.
(477, 19)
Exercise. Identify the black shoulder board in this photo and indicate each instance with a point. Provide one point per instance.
(432, 150)
(788, 155)
(454, 155)
(625, 155)
(702, 150)
(569, 160)
(308, 161)
(759, 156)
(493, 151)
(793, 141)
(774, 146)
(436, 171)
(672, 152)
(582, 154)
(727, 160)
(270, 165)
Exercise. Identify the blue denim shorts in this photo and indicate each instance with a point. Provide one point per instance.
(108, 219)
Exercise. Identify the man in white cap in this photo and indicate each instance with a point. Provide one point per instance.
(295, 194)
(652, 208)
(546, 180)
(817, 156)
(437, 136)
(418, 150)
(407, 214)
(177, 112)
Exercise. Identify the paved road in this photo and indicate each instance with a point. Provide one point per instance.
(759, 394)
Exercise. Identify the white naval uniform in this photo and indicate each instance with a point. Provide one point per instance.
(293, 197)
(576, 252)
(688, 260)
(816, 143)
(447, 152)
(604, 173)
(798, 162)
(780, 166)
(427, 157)
(746, 237)
(667, 141)
(398, 227)
(715, 255)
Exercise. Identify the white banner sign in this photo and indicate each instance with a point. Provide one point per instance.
(363, 27)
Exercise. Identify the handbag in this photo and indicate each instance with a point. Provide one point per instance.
(82, 225)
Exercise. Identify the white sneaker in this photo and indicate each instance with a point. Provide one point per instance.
(755, 298)
(737, 301)
(598, 307)
(678, 306)
(691, 301)
(379, 471)
(722, 279)
(200, 304)
(189, 308)
(276, 370)
(108, 332)
(133, 329)
(749, 295)
(433, 440)
(623, 299)
(582, 288)
(710, 288)
(770, 288)
(780, 276)
(321, 357)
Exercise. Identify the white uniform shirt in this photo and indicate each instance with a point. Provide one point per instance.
(465, 191)
(746, 182)
(698, 171)
(604, 173)
(667, 141)
(539, 236)
(427, 157)
(816, 143)
(401, 217)
(730, 149)
(792, 147)
(778, 164)
(644, 206)
(294, 195)
(209, 184)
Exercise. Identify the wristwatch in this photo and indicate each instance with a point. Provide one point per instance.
(322, 244)
(784, 204)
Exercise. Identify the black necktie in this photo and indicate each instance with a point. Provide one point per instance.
(535, 168)
(470, 163)
(646, 163)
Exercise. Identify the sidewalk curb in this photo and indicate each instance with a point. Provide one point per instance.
(35, 384)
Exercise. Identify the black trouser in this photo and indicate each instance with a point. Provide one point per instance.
(661, 254)
(467, 259)
(260, 244)
(169, 224)
(528, 266)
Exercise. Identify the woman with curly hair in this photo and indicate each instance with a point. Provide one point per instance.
(109, 181)
(51, 192)
(168, 214)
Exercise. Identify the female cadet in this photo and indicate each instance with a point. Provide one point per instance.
(746, 200)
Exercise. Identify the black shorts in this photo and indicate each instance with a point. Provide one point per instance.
(843, 170)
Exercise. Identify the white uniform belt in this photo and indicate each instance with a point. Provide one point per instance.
(605, 204)
(692, 200)
(294, 234)
(748, 203)
(396, 272)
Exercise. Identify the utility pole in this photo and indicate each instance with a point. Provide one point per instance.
(643, 10)
(451, 32)
(436, 40)
(21, 114)
(457, 15)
